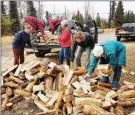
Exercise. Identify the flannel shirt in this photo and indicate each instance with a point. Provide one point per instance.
(36, 24)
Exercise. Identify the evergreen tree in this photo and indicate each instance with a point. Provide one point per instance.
(98, 20)
(31, 11)
(13, 13)
(119, 15)
(129, 17)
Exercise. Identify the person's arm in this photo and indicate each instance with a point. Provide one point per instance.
(112, 59)
(73, 49)
(29, 42)
(51, 27)
(65, 35)
(41, 28)
(93, 64)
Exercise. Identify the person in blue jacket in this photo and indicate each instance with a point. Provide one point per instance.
(20, 40)
(112, 53)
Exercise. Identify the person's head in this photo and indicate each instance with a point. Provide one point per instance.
(27, 28)
(98, 51)
(64, 24)
(79, 36)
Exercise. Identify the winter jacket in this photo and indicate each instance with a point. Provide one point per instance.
(65, 38)
(87, 42)
(114, 52)
(21, 39)
(54, 24)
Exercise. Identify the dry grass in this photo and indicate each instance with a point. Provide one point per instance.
(109, 30)
(7, 40)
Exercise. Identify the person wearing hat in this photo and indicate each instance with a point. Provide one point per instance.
(65, 43)
(112, 53)
(82, 41)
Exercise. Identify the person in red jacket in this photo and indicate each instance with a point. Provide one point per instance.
(54, 24)
(36, 24)
(65, 43)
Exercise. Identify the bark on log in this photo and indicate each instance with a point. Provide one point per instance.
(119, 110)
(30, 85)
(22, 92)
(9, 91)
(59, 100)
(44, 65)
(15, 79)
(3, 106)
(11, 84)
(93, 109)
(43, 97)
(129, 103)
(127, 94)
(107, 85)
(101, 88)
(79, 71)
(16, 99)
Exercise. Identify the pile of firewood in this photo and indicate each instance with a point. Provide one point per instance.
(60, 90)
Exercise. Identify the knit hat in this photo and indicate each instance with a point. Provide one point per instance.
(98, 51)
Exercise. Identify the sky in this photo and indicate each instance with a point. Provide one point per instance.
(101, 7)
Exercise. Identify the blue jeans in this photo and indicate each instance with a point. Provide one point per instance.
(117, 74)
(64, 54)
(79, 53)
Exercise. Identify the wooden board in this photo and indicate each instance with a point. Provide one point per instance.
(18, 70)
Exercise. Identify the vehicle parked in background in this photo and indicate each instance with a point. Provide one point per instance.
(126, 31)
(100, 30)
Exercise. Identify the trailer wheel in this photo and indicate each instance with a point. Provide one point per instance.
(118, 38)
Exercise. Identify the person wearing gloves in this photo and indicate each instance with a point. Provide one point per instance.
(85, 42)
(112, 53)
(54, 24)
(21, 39)
(65, 43)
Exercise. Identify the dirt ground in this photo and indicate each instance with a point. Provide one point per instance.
(28, 108)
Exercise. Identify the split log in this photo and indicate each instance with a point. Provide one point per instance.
(119, 110)
(127, 94)
(107, 85)
(3, 90)
(79, 71)
(101, 88)
(59, 100)
(59, 84)
(35, 64)
(43, 97)
(49, 83)
(16, 99)
(128, 103)
(11, 84)
(69, 107)
(64, 110)
(9, 70)
(49, 71)
(33, 71)
(74, 79)
(93, 109)
(29, 77)
(84, 101)
(22, 92)
(3, 106)
(76, 85)
(9, 106)
(41, 105)
(54, 98)
(69, 90)
(68, 78)
(77, 109)
(44, 65)
(52, 65)
(9, 91)
(133, 113)
(15, 79)
(30, 85)
(39, 87)
(26, 66)
(129, 85)
(106, 105)
(111, 94)
(78, 93)
(18, 70)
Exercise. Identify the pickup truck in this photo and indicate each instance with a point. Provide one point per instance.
(126, 31)
(41, 49)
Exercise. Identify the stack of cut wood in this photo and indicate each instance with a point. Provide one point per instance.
(51, 39)
(58, 90)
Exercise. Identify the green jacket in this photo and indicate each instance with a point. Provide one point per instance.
(114, 51)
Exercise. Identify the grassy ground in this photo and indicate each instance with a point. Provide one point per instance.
(7, 40)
